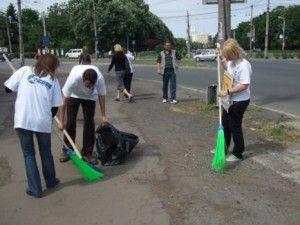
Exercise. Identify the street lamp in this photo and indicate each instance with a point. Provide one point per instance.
(283, 32)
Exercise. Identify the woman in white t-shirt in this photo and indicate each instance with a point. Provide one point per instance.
(38, 99)
(233, 59)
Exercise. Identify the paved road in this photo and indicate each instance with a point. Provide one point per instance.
(275, 83)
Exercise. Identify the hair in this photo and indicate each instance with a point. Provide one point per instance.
(86, 59)
(168, 42)
(232, 49)
(90, 75)
(46, 64)
(118, 48)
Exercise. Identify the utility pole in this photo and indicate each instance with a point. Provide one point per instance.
(21, 47)
(95, 29)
(8, 35)
(188, 30)
(267, 29)
(251, 30)
(283, 32)
(224, 19)
(45, 30)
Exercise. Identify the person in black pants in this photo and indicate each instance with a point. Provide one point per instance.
(233, 59)
(119, 61)
(85, 84)
(129, 72)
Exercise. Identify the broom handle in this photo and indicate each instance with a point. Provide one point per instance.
(9, 63)
(219, 85)
(69, 138)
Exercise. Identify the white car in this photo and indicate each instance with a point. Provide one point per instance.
(206, 55)
(74, 53)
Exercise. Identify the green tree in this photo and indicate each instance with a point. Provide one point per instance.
(11, 15)
(32, 30)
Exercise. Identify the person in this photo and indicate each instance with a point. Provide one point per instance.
(166, 66)
(39, 52)
(85, 57)
(234, 61)
(119, 61)
(38, 99)
(129, 74)
(84, 85)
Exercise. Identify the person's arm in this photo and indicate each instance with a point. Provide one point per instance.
(7, 90)
(102, 108)
(111, 64)
(63, 112)
(159, 64)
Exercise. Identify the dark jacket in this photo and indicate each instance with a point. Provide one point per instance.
(119, 61)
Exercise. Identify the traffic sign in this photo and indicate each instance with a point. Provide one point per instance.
(208, 2)
(46, 41)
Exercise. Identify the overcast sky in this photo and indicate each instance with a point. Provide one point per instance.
(173, 12)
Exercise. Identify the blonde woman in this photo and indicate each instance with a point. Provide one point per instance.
(119, 61)
(233, 60)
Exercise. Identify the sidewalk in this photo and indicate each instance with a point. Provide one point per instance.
(167, 179)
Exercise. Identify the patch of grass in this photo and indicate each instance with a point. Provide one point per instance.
(278, 132)
(195, 107)
(1, 123)
(183, 63)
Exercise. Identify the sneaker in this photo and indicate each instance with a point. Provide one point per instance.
(64, 157)
(91, 159)
(213, 151)
(38, 195)
(164, 100)
(232, 158)
(174, 101)
(57, 181)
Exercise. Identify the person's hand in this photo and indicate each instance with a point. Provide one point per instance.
(106, 119)
(222, 93)
(159, 72)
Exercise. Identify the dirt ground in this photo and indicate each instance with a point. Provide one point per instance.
(166, 180)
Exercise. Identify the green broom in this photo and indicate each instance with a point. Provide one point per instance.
(89, 172)
(218, 162)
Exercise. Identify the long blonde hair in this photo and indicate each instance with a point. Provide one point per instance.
(232, 50)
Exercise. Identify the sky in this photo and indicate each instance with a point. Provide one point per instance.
(203, 18)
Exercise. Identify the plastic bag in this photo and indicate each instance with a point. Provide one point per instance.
(113, 146)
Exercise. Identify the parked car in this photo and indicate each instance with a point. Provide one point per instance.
(206, 55)
(4, 50)
(74, 53)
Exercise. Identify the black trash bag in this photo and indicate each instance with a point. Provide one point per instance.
(113, 146)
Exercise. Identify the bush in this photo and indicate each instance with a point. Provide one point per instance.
(259, 55)
(276, 55)
(298, 55)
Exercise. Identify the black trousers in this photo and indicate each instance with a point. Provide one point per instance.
(127, 81)
(232, 123)
(88, 108)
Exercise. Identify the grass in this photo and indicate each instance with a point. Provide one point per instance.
(266, 124)
(152, 61)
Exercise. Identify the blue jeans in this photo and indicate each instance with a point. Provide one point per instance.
(169, 75)
(32, 172)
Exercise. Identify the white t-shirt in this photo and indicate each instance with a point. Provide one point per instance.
(130, 58)
(74, 86)
(35, 98)
(241, 71)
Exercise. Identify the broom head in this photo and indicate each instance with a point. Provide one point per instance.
(218, 162)
(89, 173)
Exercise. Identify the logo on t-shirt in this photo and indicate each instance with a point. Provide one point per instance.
(34, 79)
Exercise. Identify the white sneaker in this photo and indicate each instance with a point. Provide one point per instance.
(213, 151)
(233, 158)
(174, 101)
(164, 100)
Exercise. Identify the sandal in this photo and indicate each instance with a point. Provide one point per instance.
(117, 99)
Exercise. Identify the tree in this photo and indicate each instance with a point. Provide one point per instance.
(11, 15)
(292, 16)
(32, 30)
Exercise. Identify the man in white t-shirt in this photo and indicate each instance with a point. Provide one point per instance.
(85, 84)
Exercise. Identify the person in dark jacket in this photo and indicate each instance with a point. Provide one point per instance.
(85, 58)
(119, 61)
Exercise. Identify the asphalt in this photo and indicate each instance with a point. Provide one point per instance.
(167, 178)
(274, 82)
